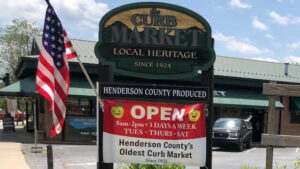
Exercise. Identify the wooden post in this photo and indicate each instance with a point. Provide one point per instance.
(271, 115)
(208, 81)
(50, 156)
(105, 75)
(27, 115)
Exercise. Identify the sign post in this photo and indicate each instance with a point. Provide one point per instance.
(150, 52)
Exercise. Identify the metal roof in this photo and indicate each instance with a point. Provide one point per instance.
(224, 66)
(254, 69)
(84, 49)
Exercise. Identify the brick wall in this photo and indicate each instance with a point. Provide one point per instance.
(286, 127)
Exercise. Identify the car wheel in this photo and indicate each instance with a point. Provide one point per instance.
(240, 146)
(249, 143)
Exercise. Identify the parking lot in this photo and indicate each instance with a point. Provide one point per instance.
(68, 156)
(84, 157)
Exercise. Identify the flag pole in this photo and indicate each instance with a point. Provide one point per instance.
(88, 78)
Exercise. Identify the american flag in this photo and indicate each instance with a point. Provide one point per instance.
(52, 77)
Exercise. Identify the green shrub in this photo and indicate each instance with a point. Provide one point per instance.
(147, 166)
(248, 167)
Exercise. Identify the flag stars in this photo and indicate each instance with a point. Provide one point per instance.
(46, 43)
(58, 24)
(47, 27)
(53, 46)
(52, 29)
(59, 56)
(49, 10)
(60, 48)
(53, 37)
(52, 53)
(60, 41)
(46, 35)
(58, 64)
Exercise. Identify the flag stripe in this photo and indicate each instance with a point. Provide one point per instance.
(68, 44)
(46, 65)
(71, 53)
(52, 77)
(45, 81)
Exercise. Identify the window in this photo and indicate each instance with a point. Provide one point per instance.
(295, 117)
(80, 107)
(294, 106)
(248, 124)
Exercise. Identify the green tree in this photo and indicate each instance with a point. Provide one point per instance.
(15, 42)
(2, 104)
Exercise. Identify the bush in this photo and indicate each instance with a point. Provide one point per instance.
(147, 166)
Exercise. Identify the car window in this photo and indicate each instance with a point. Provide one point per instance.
(227, 124)
(248, 125)
(243, 124)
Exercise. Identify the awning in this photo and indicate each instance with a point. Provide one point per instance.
(294, 104)
(79, 87)
(243, 98)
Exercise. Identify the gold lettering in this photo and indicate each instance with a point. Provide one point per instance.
(115, 51)
(158, 53)
(187, 55)
(164, 53)
(127, 51)
(180, 54)
(122, 51)
(193, 55)
(143, 64)
(134, 52)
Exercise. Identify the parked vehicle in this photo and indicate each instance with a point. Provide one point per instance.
(2, 114)
(232, 132)
(19, 116)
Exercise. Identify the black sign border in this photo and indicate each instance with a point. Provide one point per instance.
(154, 98)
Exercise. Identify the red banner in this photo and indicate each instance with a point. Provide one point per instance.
(154, 133)
(154, 120)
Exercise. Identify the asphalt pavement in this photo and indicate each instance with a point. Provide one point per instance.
(84, 157)
(67, 156)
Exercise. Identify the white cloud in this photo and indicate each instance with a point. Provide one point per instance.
(292, 59)
(86, 14)
(234, 45)
(95, 36)
(73, 13)
(294, 45)
(239, 4)
(267, 35)
(284, 20)
(259, 25)
(29, 9)
(87, 24)
(268, 59)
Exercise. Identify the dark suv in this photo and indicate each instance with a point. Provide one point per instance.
(232, 132)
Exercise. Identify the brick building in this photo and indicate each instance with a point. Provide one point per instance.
(237, 93)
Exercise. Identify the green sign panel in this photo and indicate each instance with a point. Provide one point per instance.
(155, 41)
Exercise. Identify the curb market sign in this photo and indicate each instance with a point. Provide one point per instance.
(155, 41)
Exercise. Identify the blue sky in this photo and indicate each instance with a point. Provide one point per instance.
(254, 29)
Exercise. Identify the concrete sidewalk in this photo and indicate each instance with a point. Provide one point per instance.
(11, 155)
